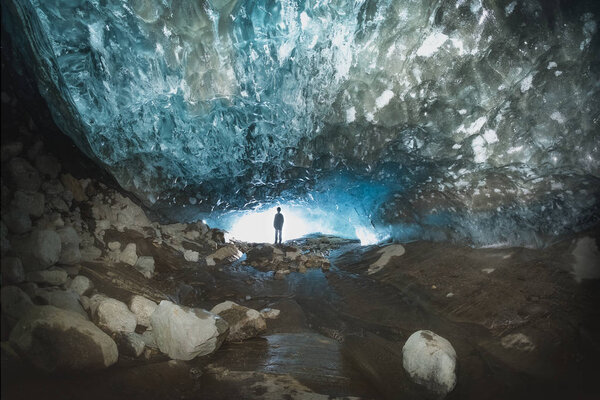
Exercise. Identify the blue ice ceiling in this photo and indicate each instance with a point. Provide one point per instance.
(464, 119)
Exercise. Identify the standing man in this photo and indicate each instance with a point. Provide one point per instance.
(278, 224)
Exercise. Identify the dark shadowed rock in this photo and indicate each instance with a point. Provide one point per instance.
(17, 221)
(15, 302)
(31, 203)
(39, 250)
(12, 270)
(48, 165)
(24, 175)
(129, 343)
(244, 322)
(63, 299)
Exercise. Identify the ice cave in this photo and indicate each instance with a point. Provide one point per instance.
(437, 166)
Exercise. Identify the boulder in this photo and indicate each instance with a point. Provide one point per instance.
(244, 322)
(130, 343)
(73, 185)
(30, 203)
(48, 165)
(270, 313)
(185, 333)
(17, 221)
(430, 360)
(90, 253)
(40, 250)
(81, 285)
(15, 302)
(53, 340)
(517, 341)
(114, 246)
(129, 255)
(24, 175)
(149, 340)
(10, 150)
(12, 270)
(53, 187)
(69, 239)
(54, 277)
(226, 253)
(142, 308)
(4, 243)
(112, 315)
(191, 255)
(63, 299)
(145, 265)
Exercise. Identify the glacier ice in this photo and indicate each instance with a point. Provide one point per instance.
(463, 119)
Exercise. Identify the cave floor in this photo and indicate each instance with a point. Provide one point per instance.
(340, 332)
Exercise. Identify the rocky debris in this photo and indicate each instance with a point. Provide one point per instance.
(191, 255)
(12, 270)
(53, 187)
(114, 246)
(517, 341)
(387, 253)
(53, 339)
(70, 253)
(149, 340)
(40, 250)
(17, 221)
(185, 333)
(10, 150)
(53, 277)
(48, 165)
(90, 253)
(129, 343)
(270, 313)
(129, 255)
(63, 299)
(72, 270)
(81, 285)
(15, 302)
(321, 243)
(430, 360)
(73, 185)
(145, 265)
(30, 203)
(142, 308)
(112, 315)
(24, 175)
(122, 213)
(226, 253)
(244, 322)
(283, 259)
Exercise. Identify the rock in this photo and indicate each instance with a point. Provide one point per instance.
(4, 243)
(30, 288)
(191, 255)
(70, 253)
(145, 265)
(90, 253)
(74, 186)
(130, 343)
(270, 313)
(72, 270)
(35, 149)
(28, 202)
(40, 250)
(185, 333)
(142, 308)
(53, 339)
(24, 175)
(430, 360)
(387, 252)
(58, 204)
(85, 302)
(63, 299)
(517, 341)
(244, 322)
(148, 338)
(112, 315)
(10, 150)
(15, 302)
(81, 285)
(128, 255)
(226, 253)
(17, 221)
(113, 246)
(48, 165)
(53, 187)
(12, 270)
(53, 277)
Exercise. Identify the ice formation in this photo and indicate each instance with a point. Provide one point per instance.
(460, 119)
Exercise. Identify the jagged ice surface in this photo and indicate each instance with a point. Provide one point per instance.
(467, 119)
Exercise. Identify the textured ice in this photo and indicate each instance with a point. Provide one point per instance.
(425, 106)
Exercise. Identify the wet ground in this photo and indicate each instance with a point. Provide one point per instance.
(340, 333)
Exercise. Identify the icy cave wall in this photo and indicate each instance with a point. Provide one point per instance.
(464, 119)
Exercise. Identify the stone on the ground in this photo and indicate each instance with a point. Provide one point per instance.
(24, 175)
(63, 299)
(15, 302)
(387, 252)
(17, 221)
(113, 246)
(517, 341)
(73, 185)
(10, 150)
(53, 187)
(48, 165)
(72, 270)
(90, 253)
(270, 313)
(12, 270)
(85, 303)
(244, 322)
(4, 242)
(113, 315)
(142, 308)
(40, 250)
(145, 265)
(430, 360)
(226, 253)
(149, 340)
(54, 340)
(54, 277)
(30, 203)
(191, 255)
(129, 255)
(130, 343)
(70, 253)
(184, 333)
(81, 285)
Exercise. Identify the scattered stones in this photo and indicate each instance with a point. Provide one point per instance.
(12, 270)
(63, 299)
(17, 221)
(70, 253)
(270, 313)
(74, 186)
(130, 343)
(184, 333)
(15, 302)
(55, 277)
(53, 339)
(30, 203)
(387, 252)
(430, 360)
(191, 255)
(81, 285)
(244, 322)
(112, 315)
(226, 253)
(40, 250)
(145, 265)
(142, 308)
(517, 341)
(129, 255)
(24, 175)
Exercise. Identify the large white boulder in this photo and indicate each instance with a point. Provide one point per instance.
(112, 315)
(430, 360)
(185, 333)
(143, 308)
(244, 322)
(129, 255)
(53, 339)
(81, 285)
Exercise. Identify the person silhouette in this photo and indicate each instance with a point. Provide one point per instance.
(278, 224)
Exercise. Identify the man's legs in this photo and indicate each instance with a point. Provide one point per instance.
(277, 236)
(280, 236)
